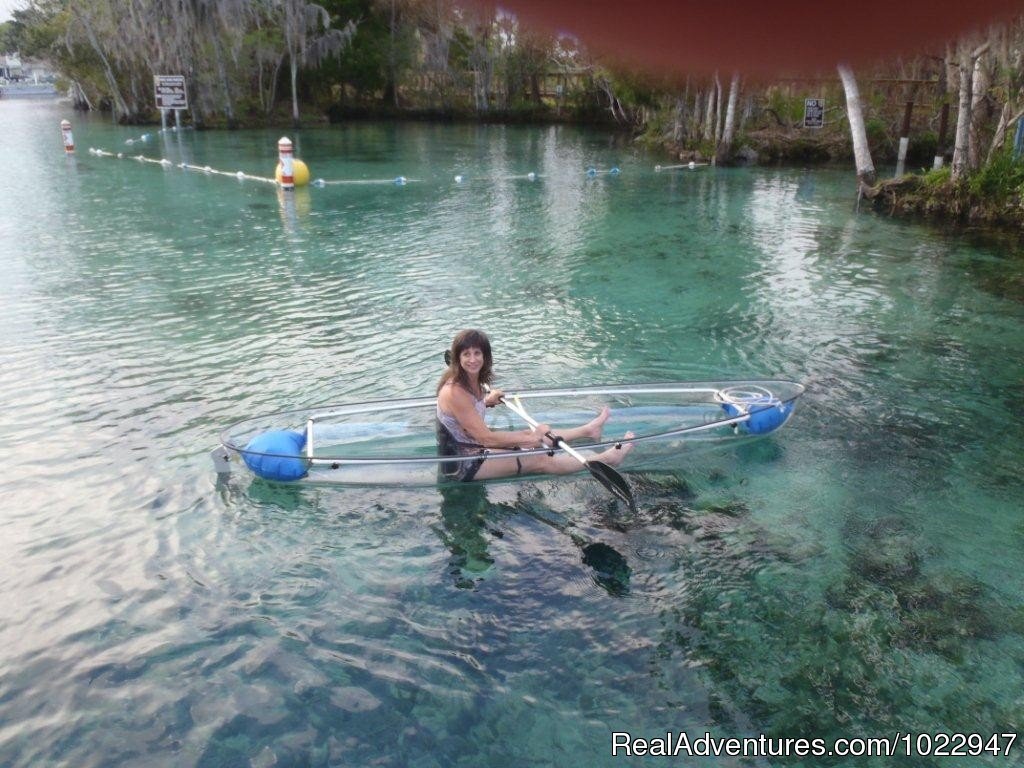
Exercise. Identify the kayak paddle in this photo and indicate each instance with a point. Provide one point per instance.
(603, 473)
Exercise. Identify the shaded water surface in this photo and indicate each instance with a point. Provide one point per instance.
(855, 575)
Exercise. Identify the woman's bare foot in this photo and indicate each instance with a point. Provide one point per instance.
(614, 456)
(593, 428)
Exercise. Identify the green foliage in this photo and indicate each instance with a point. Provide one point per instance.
(8, 39)
(923, 147)
(937, 177)
(364, 63)
(635, 89)
(1000, 179)
(788, 106)
(877, 132)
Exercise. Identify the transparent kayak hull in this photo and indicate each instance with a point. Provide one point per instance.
(393, 442)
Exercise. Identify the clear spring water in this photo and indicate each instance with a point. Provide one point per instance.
(857, 574)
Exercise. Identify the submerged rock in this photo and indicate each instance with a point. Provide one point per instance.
(353, 699)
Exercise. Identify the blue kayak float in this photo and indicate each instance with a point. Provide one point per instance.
(393, 442)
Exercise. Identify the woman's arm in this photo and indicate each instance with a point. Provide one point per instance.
(459, 403)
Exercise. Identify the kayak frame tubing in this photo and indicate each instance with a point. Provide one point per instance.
(715, 394)
(523, 452)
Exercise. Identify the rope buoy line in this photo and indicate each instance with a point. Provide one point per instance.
(690, 165)
(397, 181)
(146, 136)
(240, 175)
(531, 176)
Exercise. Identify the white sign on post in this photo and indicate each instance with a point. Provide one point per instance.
(170, 92)
(814, 113)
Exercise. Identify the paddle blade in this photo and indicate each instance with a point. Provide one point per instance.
(612, 480)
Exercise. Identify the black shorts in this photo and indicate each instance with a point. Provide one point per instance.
(465, 470)
(460, 471)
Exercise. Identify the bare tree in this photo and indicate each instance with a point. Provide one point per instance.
(709, 118)
(309, 39)
(861, 151)
(725, 145)
(961, 150)
(979, 90)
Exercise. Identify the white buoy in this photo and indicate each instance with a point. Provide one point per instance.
(458, 178)
(240, 176)
(692, 165)
(319, 183)
(657, 169)
(531, 176)
(69, 140)
(400, 180)
(285, 155)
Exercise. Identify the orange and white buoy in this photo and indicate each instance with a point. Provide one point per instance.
(69, 140)
(285, 155)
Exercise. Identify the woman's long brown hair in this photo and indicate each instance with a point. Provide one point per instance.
(464, 340)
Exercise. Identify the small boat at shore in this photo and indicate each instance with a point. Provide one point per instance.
(393, 442)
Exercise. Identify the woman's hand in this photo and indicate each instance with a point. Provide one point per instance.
(537, 436)
(493, 397)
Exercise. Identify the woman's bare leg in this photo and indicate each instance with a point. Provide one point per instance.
(564, 464)
(614, 456)
(591, 430)
(559, 464)
(492, 468)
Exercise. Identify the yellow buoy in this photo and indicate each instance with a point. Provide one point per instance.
(299, 172)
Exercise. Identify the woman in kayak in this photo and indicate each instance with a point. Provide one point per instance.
(461, 431)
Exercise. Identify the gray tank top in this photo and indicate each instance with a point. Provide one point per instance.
(450, 423)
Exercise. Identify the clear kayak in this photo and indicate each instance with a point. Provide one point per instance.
(394, 442)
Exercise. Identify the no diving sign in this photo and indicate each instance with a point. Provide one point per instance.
(814, 113)
(170, 92)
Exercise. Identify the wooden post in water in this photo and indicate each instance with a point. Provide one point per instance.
(901, 158)
(69, 140)
(943, 128)
(284, 150)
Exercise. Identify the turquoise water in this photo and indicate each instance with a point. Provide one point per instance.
(857, 574)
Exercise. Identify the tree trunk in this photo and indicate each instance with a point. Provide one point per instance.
(1005, 121)
(295, 94)
(963, 118)
(979, 87)
(709, 118)
(272, 97)
(115, 91)
(861, 151)
(677, 122)
(718, 109)
(222, 76)
(725, 146)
